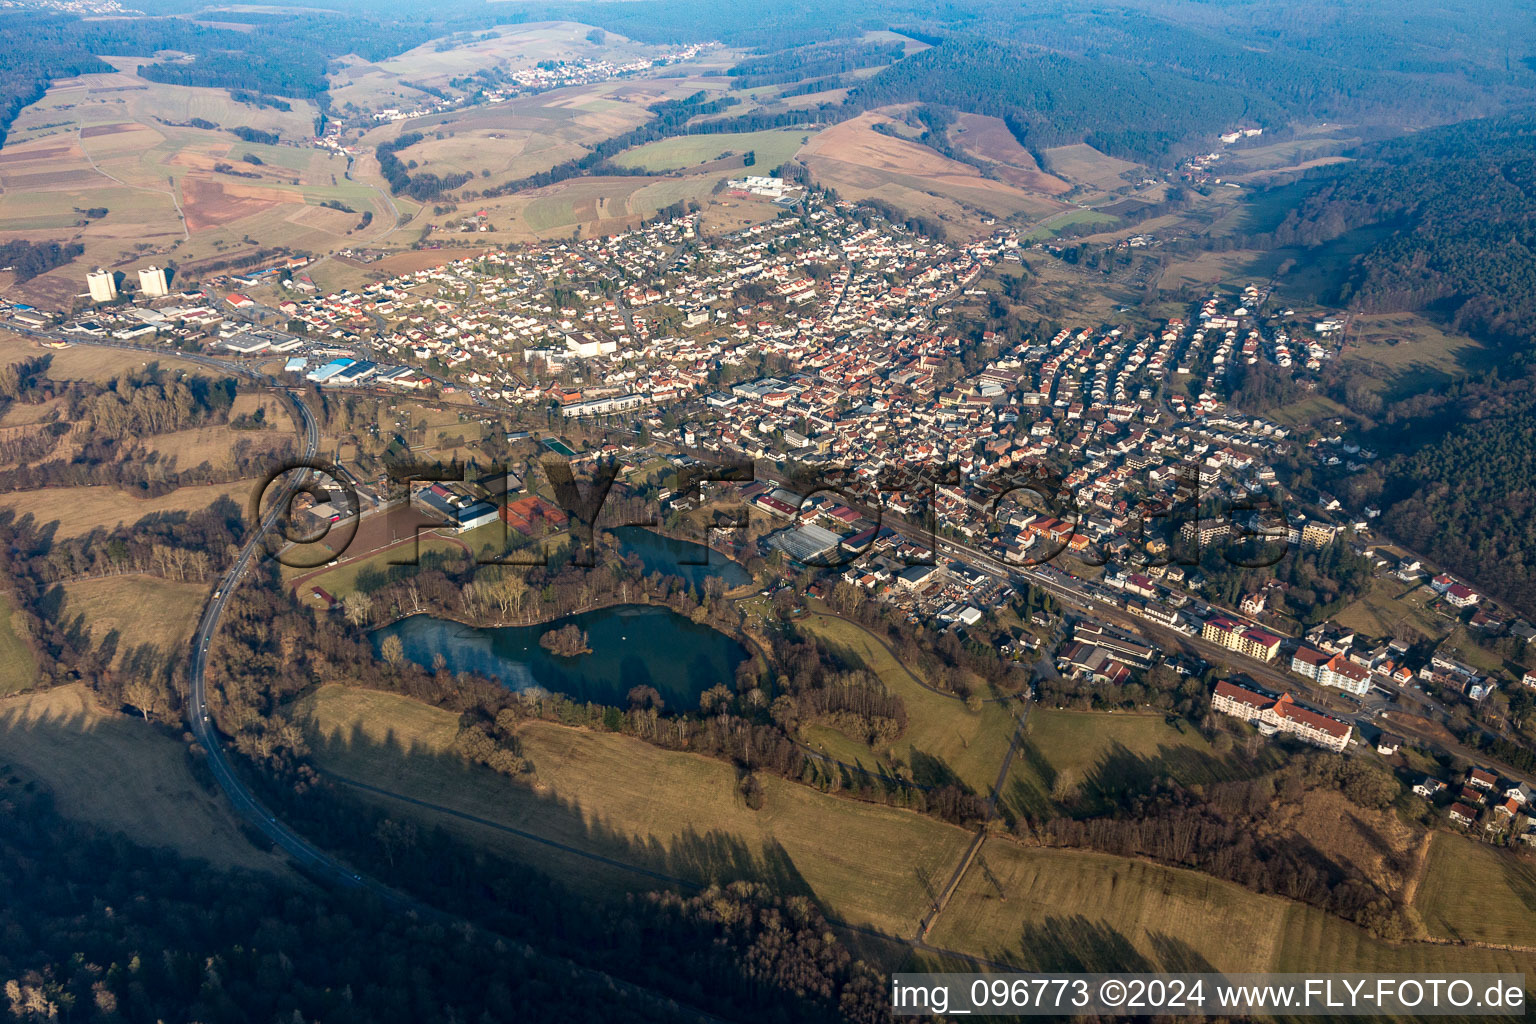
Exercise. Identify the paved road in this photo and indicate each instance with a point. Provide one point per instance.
(317, 862)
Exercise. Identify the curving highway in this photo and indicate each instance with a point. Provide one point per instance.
(240, 796)
(316, 861)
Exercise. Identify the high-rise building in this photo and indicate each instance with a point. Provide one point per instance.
(154, 283)
(103, 285)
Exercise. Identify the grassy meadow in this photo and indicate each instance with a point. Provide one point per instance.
(600, 798)
(120, 774)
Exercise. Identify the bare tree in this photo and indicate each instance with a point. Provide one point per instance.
(393, 650)
(358, 607)
(144, 696)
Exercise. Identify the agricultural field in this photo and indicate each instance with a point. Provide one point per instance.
(943, 738)
(677, 814)
(79, 510)
(772, 148)
(510, 140)
(117, 143)
(988, 138)
(861, 162)
(139, 609)
(119, 773)
(18, 667)
(360, 85)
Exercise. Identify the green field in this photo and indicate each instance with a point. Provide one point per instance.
(18, 668)
(342, 580)
(1055, 227)
(1070, 910)
(772, 149)
(1082, 761)
(1046, 909)
(1474, 893)
(943, 737)
(678, 814)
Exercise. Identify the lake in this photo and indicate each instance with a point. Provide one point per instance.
(672, 557)
(632, 645)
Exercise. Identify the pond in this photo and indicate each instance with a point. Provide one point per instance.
(632, 645)
(674, 557)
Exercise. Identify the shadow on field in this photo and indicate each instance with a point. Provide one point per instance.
(553, 834)
(1076, 944)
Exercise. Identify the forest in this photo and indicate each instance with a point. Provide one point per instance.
(28, 259)
(1460, 203)
(95, 928)
(1453, 216)
(1146, 79)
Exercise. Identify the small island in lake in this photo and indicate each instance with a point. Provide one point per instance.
(567, 641)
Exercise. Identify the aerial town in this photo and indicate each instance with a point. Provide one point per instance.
(832, 343)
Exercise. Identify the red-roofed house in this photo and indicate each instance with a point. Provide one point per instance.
(1280, 714)
(1462, 596)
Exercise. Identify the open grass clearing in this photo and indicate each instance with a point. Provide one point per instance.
(216, 445)
(1410, 353)
(1084, 165)
(120, 774)
(140, 609)
(1311, 940)
(1084, 760)
(1391, 608)
(943, 738)
(1045, 909)
(1474, 892)
(80, 510)
(1048, 909)
(771, 148)
(677, 813)
(18, 666)
(86, 362)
